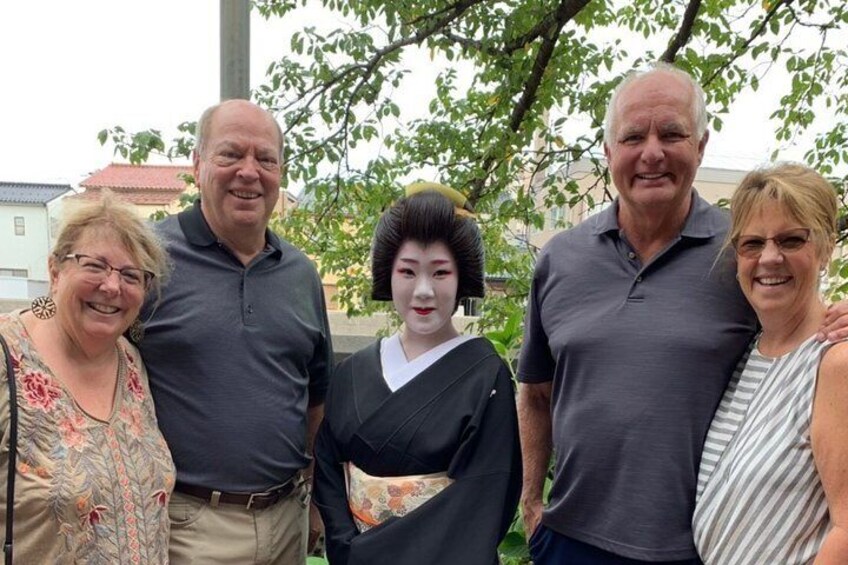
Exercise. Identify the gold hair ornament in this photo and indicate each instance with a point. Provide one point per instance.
(460, 202)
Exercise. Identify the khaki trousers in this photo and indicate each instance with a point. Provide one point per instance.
(231, 534)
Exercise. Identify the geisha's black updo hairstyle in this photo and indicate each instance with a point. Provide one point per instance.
(427, 217)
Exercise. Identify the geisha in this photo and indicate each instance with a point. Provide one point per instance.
(418, 459)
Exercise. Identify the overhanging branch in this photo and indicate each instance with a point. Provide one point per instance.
(758, 31)
(682, 36)
(566, 10)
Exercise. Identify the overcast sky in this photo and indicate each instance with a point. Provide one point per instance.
(70, 69)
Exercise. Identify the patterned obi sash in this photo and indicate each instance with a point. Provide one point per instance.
(374, 500)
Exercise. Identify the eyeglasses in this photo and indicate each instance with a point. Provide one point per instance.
(752, 246)
(99, 270)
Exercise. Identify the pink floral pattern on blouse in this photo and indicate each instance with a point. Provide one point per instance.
(39, 391)
(87, 490)
(134, 384)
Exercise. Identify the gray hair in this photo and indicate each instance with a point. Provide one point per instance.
(699, 106)
(206, 120)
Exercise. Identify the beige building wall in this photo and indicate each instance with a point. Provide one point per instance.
(712, 184)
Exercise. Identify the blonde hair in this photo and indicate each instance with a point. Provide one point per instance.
(799, 190)
(120, 218)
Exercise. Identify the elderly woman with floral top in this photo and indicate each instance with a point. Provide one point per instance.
(93, 473)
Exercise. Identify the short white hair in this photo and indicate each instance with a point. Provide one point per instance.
(699, 105)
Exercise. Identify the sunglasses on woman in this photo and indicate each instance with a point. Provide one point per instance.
(752, 246)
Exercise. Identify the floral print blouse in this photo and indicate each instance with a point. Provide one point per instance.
(86, 490)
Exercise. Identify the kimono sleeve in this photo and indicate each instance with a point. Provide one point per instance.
(464, 523)
(331, 496)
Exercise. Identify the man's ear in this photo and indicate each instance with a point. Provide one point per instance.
(195, 164)
(702, 145)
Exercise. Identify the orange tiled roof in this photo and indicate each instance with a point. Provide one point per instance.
(149, 185)
(151, 177)
(137, 197)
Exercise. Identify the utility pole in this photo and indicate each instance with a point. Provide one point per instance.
(235, 49)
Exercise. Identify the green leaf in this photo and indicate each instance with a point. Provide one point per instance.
(514, 546)
(358, 125)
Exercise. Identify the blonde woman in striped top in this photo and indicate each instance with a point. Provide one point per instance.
(773, 482)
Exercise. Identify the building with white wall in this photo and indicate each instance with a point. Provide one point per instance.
(28, 219)
(712, 184)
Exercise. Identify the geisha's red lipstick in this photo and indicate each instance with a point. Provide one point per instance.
(423, 311)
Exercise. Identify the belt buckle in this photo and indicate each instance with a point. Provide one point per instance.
(254, 496)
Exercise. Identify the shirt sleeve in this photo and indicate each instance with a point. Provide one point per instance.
(321, 365)
(535, 362)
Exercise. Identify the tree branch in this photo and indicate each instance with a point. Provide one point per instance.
(541, 28)
(469, 43)
(682, 36)
(758, 31)
(555, 18)
(366, 70)
(566, 10)
(821, 27)
(439, 12)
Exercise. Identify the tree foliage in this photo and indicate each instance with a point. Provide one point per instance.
(519, 97)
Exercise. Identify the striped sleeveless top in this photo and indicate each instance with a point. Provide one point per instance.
(759, 497)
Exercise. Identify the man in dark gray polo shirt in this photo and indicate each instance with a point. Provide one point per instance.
(632, 332)
(238, 354)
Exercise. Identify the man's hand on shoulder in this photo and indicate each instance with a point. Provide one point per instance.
(835, 325)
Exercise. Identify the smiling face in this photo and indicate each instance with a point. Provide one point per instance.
(424, 285)
(238, 170)
(91, 308)
(780, 284)
(654, 152)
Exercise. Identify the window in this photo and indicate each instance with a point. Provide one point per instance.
(21, 273)
(557, 217)
(20, 226)
(597, 207)
(469, 307)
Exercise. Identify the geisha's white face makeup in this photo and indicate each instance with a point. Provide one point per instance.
(424, 286)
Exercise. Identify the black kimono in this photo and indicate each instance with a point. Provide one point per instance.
(458, 415)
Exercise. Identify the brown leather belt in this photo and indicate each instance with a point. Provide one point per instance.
(256, 501)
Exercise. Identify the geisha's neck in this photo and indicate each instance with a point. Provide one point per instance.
(415, 344)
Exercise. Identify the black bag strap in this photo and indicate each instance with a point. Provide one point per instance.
(13, 450)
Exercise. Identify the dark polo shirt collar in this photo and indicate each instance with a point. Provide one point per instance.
(198, 232)
(700, 223)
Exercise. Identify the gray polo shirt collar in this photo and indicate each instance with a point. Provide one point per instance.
(198, 232)
(700, 224)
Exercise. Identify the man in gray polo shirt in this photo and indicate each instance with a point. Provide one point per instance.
(632, 332)
(238, 354)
